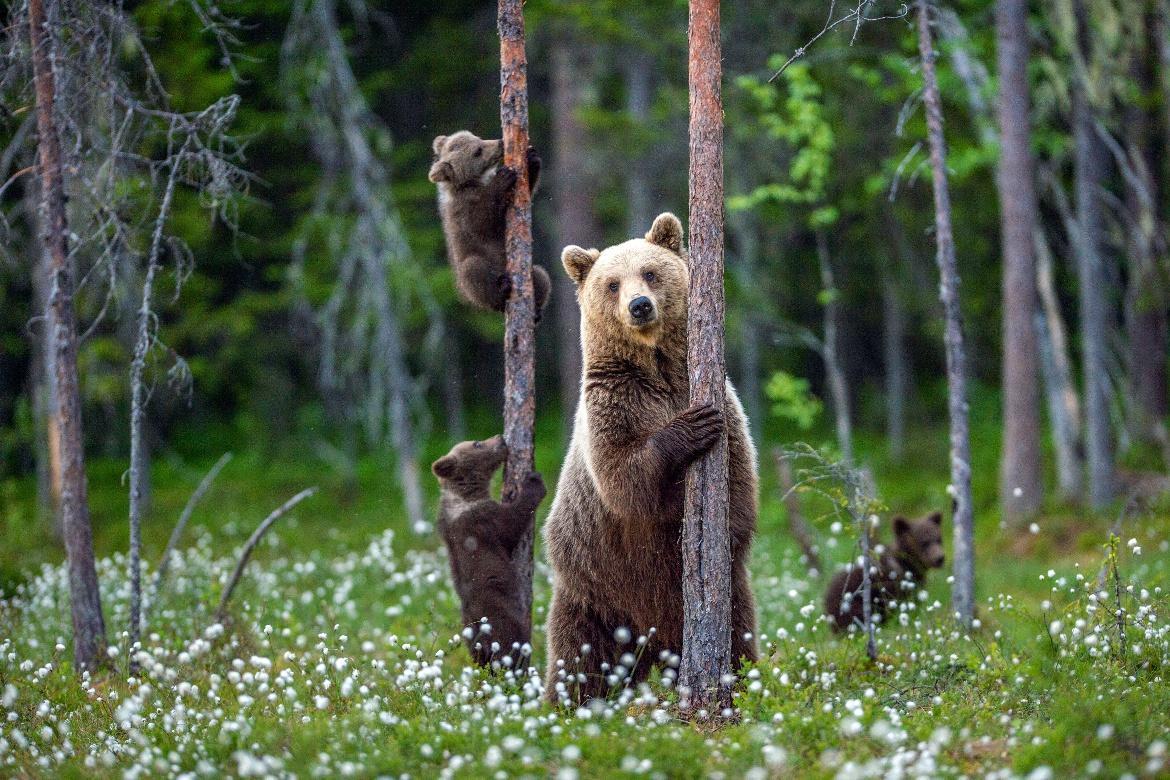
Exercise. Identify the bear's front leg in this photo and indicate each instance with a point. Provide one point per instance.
(483, 283)
(690, 434)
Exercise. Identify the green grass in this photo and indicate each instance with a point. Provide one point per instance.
(340, 657)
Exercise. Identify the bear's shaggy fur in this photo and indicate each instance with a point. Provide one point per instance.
(474, 192)
(901, 569)
(612, 535)
(480, 535)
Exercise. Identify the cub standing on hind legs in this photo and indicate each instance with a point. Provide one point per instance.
(480, 535)
(475, 189)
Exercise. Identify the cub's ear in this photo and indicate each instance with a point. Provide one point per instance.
(935, 517)
(901, 526)
(444, 467)
(578, 261)
(666, 232)
(438, 143)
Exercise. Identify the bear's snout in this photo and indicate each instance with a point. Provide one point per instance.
(642, 310)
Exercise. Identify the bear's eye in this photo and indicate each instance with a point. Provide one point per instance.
(650, 277)
(613, 286)
(479, 152)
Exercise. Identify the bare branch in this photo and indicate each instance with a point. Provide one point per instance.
(857, 15)
(164, 562)
(250, 545)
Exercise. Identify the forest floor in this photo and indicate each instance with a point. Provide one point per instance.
(341, 658)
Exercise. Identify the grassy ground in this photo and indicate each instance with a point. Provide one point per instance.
(340, 656)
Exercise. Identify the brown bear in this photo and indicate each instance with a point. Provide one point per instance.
(480, 535)
(899, 570)
(612, 535)
(475, 189)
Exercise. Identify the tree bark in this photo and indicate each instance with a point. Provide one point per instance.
(963, 592)
(1020, 481)
(896, 369)
(1148, 337)
(639, 77)
(573, 198)
(520, 311)
(706, 546)
(838, 386)
(1092, 158)
(1064, 405)
(89, 630)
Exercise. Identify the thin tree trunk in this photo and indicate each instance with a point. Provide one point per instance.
(1092, 158)
(963, 592)
(452, 378)
(89, 629)
(744, 232)
(897, 370)
(1020, 481)
(139, 460)
(48, 464)
(639, 76)
(838, 387)
(574, 207)
(797, 525)
(706, 542)
(1064, 405)
(519, 314)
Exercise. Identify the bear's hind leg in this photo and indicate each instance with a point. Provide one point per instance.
(578, 643)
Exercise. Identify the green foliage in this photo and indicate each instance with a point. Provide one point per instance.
(792, 400)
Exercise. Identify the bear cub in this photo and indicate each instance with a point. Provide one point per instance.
(901, 569)
(480, 535)
(475, 189)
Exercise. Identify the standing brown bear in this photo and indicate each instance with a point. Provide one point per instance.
(612, 535)
(480, 535)
(900, 570)
(475, 189)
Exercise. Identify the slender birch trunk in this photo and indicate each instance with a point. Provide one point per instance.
(706, 544)
(520, 312)
(963, 593)
(89, 629)
(896, 369)
(830, 352)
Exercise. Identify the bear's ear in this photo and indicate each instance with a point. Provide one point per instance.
(578, 261)
(666, 232)
(901, 526)
(935, 517)
(438, 143)
(444, 467)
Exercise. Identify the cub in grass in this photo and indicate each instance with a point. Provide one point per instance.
(481, 534)
(475, 189)
(900, 569)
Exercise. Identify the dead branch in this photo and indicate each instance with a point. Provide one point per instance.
(856, 15)
(250, 545)
(797, 525)
(184, 517)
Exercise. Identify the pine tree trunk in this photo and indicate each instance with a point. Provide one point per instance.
(896, 368)
(519, 314)
(573, 201)
(1147, 335)
(1020, 483)
(1092, 159)
(706, 545)
(1064, 405)
(838, 386)
(89, 631)
(639, 77)
(963, 591)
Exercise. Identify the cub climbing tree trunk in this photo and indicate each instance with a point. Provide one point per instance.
(963, 591)
(89, 628)
(706, 546)
(520, 312)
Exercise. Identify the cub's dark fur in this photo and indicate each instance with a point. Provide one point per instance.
(475, 189)
(480, 535)
(917, 547)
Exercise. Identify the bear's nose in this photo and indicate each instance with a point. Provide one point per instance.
(641, 307)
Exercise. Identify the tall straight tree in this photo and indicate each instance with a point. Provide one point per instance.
(963, 593)
(573, 202)
(1020, 486)
(706, 541)
(1092, 161)
(520, 311)
(89, 628)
